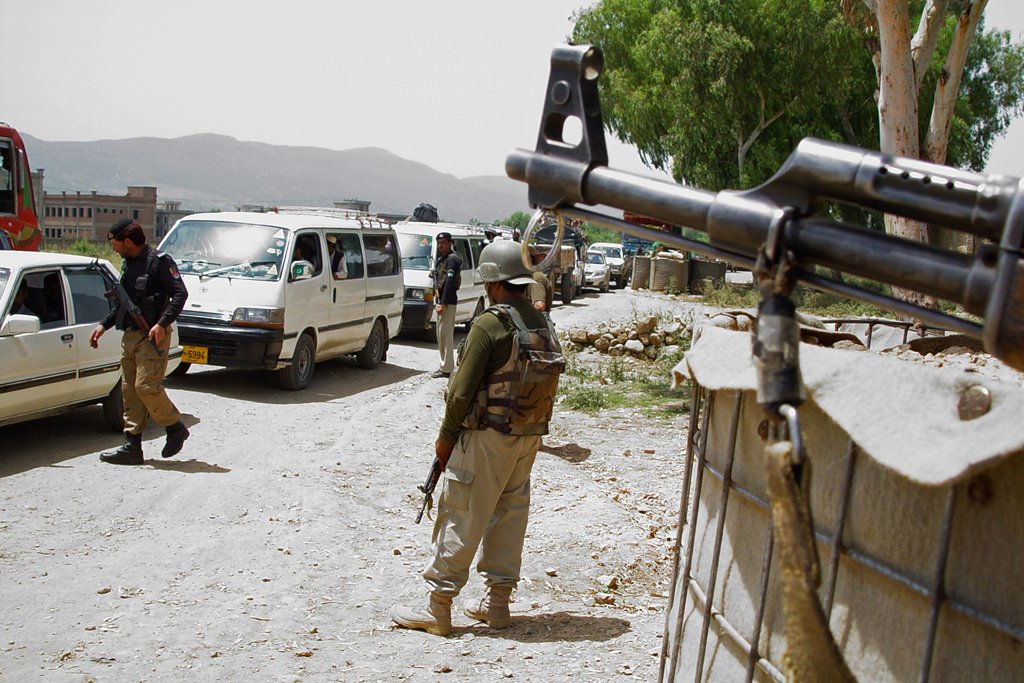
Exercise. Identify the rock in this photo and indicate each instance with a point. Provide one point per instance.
(672, 328)
(551, 571)
(579, 336)
(615, 350)
(602, 344)
(646, 325)
(671, 349)
(651, 352)
(593, 336)
(645, 339)
(634, 345)
(670, 339)
(654, 339)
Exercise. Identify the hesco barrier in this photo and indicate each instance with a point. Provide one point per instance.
(914, 489)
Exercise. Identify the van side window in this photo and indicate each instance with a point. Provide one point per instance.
(87, 300)
(381, 255)
(7, 177)
(353, 254)
(461, 247)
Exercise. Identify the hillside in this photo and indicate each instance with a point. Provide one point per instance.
(216, 171)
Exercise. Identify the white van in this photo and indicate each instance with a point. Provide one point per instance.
(262, 293)
(419, 254)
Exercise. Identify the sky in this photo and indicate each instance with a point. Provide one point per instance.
(453, 84)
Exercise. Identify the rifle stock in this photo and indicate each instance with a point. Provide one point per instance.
(120, 296)
(989, 284)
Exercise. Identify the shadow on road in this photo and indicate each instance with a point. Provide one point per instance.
(554, 627)
(332, 380)
(569, 452)
(187, 466)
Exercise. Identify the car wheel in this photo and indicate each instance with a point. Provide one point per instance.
(113, 408)
(299, 372)
(372, 354)
(180, 370)
(566, 288)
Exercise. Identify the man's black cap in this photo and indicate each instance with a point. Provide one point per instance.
(444, 236)
(119, 229)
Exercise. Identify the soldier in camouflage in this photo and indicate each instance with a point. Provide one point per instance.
(498, 406)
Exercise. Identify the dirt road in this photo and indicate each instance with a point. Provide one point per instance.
(273, 546)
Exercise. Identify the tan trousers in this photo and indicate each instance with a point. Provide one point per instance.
(142, 371)
(485, 503)
(446, 338)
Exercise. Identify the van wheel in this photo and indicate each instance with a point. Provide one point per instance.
(299, 373)
(113, 408)
(476, 313)
(180, 370)
(373, 353)
(566, 289)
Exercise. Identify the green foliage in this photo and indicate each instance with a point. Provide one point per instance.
(719, 93)
(598, 233)
(84, 247)
(585, 399)
(518, 220)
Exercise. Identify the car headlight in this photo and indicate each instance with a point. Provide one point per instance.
(259, 317)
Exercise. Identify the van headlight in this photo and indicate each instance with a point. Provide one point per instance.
(259, 317)
(417, 294)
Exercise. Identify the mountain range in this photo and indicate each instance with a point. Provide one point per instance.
(209, 171)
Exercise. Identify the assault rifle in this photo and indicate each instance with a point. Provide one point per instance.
(427, 488)
(120, 297)
(778, 231)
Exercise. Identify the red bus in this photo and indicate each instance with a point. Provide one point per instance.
(18, 217)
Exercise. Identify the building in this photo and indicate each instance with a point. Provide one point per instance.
(72, 216)
(167, 214)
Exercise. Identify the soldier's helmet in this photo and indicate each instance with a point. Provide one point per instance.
(502, 261)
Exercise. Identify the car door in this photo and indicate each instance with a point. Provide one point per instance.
(99, 369)
(348, 296)
(38, 370)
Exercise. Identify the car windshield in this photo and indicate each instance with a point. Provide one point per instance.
(595, 257)
(415, 251)
(609, 251)
(219, 248)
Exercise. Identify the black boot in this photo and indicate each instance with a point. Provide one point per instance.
(129, 453)
(176, 435)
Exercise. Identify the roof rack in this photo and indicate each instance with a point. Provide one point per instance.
(365, 219)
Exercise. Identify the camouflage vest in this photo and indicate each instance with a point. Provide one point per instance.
(520, 396)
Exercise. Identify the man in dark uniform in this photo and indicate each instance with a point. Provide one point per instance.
(497, 408)
(447, 280)
(152, 281)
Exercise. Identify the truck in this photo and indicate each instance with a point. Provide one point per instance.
(566, 273)
(19, 223)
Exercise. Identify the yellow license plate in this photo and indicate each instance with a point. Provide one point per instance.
(195, 354)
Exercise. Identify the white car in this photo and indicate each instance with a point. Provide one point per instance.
(620, 263)
(596, 272)
(46, 363)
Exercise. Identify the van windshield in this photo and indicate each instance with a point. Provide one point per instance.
(415, 250)
(223, 249)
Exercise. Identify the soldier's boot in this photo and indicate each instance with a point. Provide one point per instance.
(128, 453)
(176, 435)
(435, 619)
(493, 608)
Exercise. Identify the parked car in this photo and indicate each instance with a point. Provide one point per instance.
(419, 254)
(596, 272)
(46, 363)
(263, 295)
(619, 261)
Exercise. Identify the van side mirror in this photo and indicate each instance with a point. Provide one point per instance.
(301, 270)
